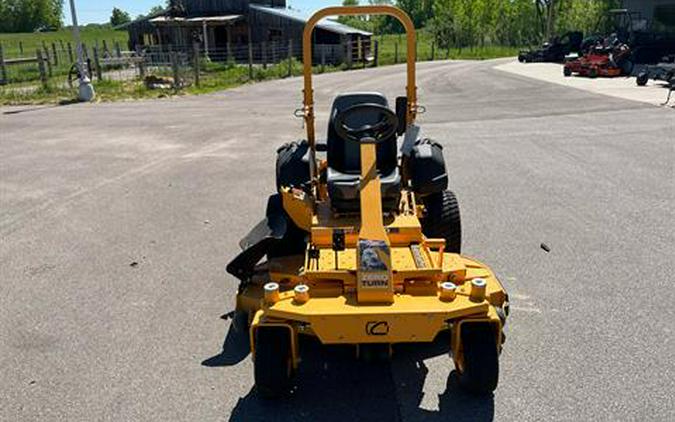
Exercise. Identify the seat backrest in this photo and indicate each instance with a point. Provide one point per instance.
(345, 156)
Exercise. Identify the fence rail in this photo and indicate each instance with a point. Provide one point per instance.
(184, 64)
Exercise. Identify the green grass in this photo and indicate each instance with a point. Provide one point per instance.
(217, 77)
(33, 41)
(214, 77)
(426, 49)
(19, 73)
(106, 91)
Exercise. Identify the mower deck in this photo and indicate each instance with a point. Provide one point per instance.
(417, 313)
(332, 311)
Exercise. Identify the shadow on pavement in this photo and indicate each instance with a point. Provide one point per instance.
(453, 404)
(334, 386)
(26, 110)
(236, 346)
(41, 107)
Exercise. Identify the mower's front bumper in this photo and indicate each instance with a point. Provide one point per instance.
(341, 320)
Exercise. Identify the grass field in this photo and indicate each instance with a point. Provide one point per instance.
(12, 43)
(427, 49)
(61, 58)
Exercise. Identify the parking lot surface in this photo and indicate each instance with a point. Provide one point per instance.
(117, 221)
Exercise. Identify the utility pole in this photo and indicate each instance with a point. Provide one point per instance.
(86, 89)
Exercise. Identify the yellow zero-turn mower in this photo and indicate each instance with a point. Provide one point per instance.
(363, 248)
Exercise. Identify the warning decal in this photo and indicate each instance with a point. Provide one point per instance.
(373, 258)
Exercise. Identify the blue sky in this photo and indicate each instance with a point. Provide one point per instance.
(98, 11)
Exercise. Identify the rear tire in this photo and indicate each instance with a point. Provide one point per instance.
(642, 79)
(443, 220)
(273, 368)
(480, 374)
(293, 243)
(292, 166)
(567, 71)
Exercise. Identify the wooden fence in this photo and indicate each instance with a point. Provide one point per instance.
(106, 63)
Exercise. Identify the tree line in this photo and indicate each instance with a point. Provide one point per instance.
(30, 15)
(456, 23)
(120, 17)
(462, 23)
(47, 15)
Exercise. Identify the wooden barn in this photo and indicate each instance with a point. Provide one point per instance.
(226, 27)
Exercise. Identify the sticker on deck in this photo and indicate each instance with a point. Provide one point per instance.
(373, 258)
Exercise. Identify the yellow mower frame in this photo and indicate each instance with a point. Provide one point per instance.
(328, 294)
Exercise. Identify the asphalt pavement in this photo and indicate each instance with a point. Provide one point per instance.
(117, 221)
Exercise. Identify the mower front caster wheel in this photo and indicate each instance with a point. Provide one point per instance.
(480, 372)
(273, 366)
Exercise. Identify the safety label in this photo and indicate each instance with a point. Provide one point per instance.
(374, 256)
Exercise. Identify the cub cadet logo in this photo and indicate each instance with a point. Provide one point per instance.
(377, 328)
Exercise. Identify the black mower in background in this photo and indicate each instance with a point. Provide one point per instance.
(664, 71)
(555, 50)
(647, 44)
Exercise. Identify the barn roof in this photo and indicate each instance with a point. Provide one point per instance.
(196, 20)
(326, 24)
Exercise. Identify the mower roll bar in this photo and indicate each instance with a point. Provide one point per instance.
(411, 89)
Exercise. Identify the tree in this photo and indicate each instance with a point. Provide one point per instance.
(173, 8)
(419, 10)
(359, 22)
(442, 25)
(119, 17)
(376, 23)
(176, 8)
(467, 23)
(30, 15)
(547, 12)
(379, 23)
(156, 10)
(464, 23)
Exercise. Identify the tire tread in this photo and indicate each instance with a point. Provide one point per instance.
(291, 171)
(272, 353)
(481, 359)
(443, 220)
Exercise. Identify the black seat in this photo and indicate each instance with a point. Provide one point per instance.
(344, 158)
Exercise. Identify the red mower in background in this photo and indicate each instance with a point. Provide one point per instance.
(601, 61)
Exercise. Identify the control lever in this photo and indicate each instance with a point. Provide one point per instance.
(338, 244)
